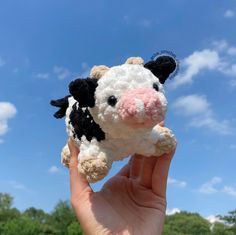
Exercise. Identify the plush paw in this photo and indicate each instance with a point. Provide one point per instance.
(94, 168)
(65, 156)
(166, 141)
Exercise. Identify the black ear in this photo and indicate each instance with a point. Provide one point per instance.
(83, 91)
(162, 67)
(62, 104)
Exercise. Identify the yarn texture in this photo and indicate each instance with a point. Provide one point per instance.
(116, 113)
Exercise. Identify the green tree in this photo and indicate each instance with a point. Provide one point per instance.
(185, 223)
(222, 229)
(21, 226)
(36, 214)
(6, 210)
(5, 201)
(74, 229)
(230, 218)
(43, 218)
(62, 217)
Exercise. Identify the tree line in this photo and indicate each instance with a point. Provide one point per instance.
(62, 221)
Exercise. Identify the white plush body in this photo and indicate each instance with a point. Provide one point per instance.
(122, 137)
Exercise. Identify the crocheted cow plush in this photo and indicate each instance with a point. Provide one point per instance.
(115, 113)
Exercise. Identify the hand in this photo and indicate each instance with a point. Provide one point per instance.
(131, 202)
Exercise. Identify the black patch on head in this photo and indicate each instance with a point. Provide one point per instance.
(62, 104)
(83, 91)
(162, 67)
(83, 124)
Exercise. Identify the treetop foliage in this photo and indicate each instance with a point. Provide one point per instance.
(62, 221)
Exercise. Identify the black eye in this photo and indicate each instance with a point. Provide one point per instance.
(112, 100)
(155, 86)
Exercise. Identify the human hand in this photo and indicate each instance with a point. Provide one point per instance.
(131, 202)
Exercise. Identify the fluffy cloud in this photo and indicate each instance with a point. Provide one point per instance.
(177, 183)
(61, 72)
(172, 211)
(221, 127)
(209, 187)
(201, 115)
(219, 58)
(191, 105)
(195, 63)
(53, 170)
(229, 14)
(7, 111)
(213, 219)
(229, 190)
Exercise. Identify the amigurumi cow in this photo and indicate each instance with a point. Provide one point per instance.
(115, 113)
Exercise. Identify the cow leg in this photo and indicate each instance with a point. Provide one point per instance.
(165, 140)
(94, 163)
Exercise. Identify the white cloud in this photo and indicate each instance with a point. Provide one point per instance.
(229, 190)
(53, 170)
(221, 127)
(231, 70)
(61, 72)
(7, 111)
(209, 187)
(191, 105)
(229, 14)
(2, 61)
(42, 76)
(220, 45)
(177, 183)
(196, 62)
(173, 211)
(220, 58)
(213, 219)
(201, 114)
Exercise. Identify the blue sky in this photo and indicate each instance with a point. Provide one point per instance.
(46, 44)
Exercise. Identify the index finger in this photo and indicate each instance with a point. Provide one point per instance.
(78, 183)
(160, 174)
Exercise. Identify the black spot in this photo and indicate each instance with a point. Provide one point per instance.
(155, 86)
(84, 125)
(112, 100)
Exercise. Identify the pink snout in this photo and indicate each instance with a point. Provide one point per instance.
(141, 107)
